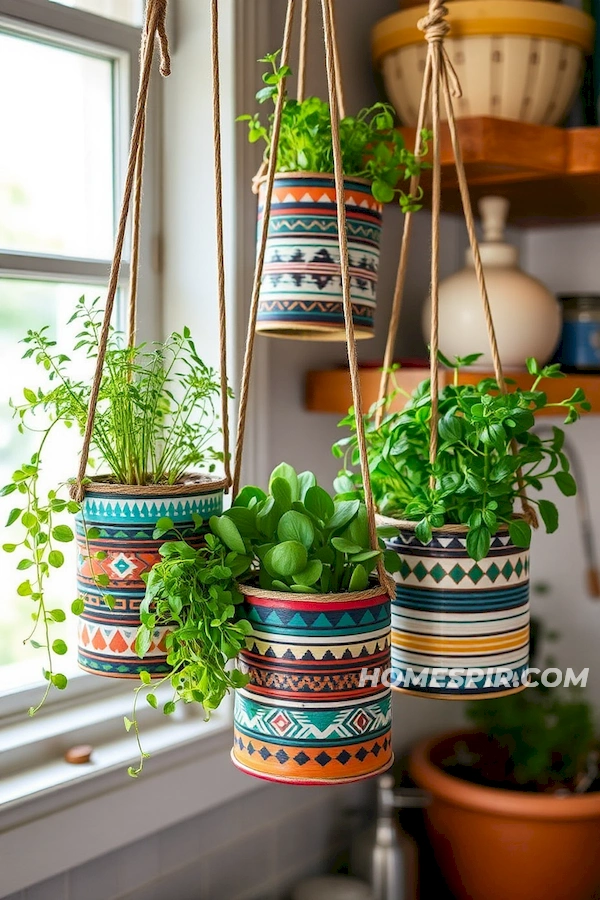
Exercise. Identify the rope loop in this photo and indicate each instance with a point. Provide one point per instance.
(161, 31)
(434, 25)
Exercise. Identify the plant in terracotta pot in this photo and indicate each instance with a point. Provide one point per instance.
(462, 545)
(296, 564)
(301, 293)
(523, 787)
(155, 426)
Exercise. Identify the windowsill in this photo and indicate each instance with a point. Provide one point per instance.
(61, 809)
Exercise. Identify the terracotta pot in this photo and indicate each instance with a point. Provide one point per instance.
(514, 59)
(123, 525)
(306, 717)
(460, 628)
(301, 291)
(495, 844)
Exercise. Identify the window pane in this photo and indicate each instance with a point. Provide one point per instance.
(24, 305)
(56, 152)
(129, 11)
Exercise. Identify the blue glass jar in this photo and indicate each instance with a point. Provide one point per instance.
(580, 342)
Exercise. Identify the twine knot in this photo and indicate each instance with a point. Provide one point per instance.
(434, 25)
(156, 18)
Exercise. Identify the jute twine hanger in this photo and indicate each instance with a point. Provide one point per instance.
(301, 88)
(154, 28)
(439, 75)
(333, 78)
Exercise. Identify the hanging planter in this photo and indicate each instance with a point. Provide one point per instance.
(304, 718)
(460, 628)
(301, 290)
(301, 293)
(149, 420)
(449, 471)
(116, 545)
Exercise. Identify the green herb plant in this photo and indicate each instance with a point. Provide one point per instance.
(294, 538)
(475, 472)
(155, 420)
(548, 732)
(372, 148)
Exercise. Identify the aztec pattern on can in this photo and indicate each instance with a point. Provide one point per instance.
(460, 628)
(308, 716)
(301, 292)
(123, 525)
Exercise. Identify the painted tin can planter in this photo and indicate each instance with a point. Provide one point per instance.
(123, 524)
(308, 715)
(460, 628)
(301, 292)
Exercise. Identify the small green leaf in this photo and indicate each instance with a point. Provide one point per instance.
(13, 516)
(311, 574)
(58, 615)
(423, 531)
(478, 542)
(318, 502)
(359, 580)
(169, 708)
(145, 677)
(59, 680)
(56, 558)
(77, 607)
(345, 546)
(151, 700)
(549, 514)
(59, 647)
(63, 534)
(128, 723)
(294, 526)
(288, 474)
(227, 530)
(9, 548)
(287, 559)
(520, 532)
(25, 589)
(566, 484)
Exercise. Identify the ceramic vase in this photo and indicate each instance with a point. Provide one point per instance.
(460, 628)
(122, 525)
(301, 291)
(514, 59)
(527, 316)
(310, 713)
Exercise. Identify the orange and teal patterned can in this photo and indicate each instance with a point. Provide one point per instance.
(316, 710)
(119, 526)
(301, 291)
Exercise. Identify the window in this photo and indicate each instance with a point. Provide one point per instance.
(130, 11)
(65, 99)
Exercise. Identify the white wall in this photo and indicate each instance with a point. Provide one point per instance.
(566, 259)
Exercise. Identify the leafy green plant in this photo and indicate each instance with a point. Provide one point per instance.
(301, 540)
(372, 148)
(193, 593)
(475, 480)
(156, 419)
(294, 538)
(547, 733)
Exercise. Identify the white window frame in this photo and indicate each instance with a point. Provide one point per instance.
(46, 801)
(30, 746)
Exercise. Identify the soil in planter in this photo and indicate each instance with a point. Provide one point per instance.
(486, 762)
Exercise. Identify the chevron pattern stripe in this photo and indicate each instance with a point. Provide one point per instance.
(451, 613)
(124, 526)
(306, 717)
(301, 289)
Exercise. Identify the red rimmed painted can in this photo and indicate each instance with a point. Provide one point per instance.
(317, 709)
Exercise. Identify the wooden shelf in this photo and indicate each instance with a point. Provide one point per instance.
(329, 391)
(549, 174)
